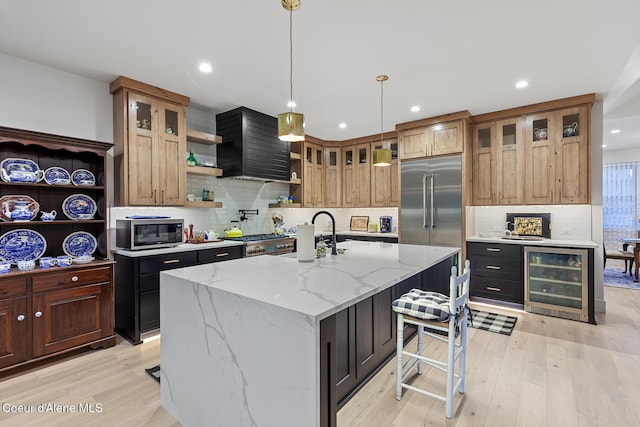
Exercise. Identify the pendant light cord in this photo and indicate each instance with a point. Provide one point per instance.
(291, 59)
(381, 112)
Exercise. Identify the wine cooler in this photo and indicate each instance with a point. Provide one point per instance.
(557, 282)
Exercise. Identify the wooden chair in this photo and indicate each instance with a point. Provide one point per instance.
(628, 258)
(443, 318)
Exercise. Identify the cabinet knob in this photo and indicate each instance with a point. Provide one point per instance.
(74, 279)
(20, 317)
(38, 314)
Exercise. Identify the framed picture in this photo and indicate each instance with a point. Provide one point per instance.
(359, 223)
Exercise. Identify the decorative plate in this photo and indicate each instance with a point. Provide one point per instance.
(57, 176)
(79, 243)
(82, 260)
(11, 199)
(79, 206)
(83, 177)
(21, 245)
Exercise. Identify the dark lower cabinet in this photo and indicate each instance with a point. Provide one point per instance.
(497, 271)
(365, 333)
(137, 286)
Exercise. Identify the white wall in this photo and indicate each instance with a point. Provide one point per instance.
(39, 98)
(620, 156)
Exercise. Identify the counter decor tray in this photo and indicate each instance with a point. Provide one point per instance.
(531, 224)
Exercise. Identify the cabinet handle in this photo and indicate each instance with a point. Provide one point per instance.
(162, 197)
(493, 267)
(171, 261)
(491, 288)
(38, 314)
(74, 279)
(223, 254)
(21, 318)
(493, 249)
(155, 198)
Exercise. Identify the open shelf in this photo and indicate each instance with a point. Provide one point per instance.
(201, 170)
(202, 137)
(285, 205)
(198, 204)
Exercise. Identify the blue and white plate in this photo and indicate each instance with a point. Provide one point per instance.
(79, 206)
(21, 245)
(57, 176)
(79, 244)
(83, 177)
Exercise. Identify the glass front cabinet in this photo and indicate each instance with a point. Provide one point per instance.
(558, 283)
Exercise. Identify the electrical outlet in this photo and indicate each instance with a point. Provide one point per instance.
(567, 232)
(497, 228)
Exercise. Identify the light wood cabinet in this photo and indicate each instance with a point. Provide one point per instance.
(557, 160)
(150, 144)
(384, 180)
(509, 162)
(356, 175)
(433, 140)
(484, 163)
(313, 175)
(332, 177)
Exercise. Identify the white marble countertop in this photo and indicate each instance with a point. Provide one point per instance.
(544, 242)
(320, 288)
(350, 233)
(184, 247)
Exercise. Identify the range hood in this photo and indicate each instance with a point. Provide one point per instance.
(250, 147)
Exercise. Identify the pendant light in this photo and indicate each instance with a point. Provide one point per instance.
(290, 124)
(382, 156)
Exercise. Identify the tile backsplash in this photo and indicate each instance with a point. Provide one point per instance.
(238, 194)
(568, 222)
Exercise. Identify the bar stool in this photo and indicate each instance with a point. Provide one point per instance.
(442, 318)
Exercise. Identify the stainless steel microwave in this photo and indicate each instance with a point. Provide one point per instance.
(136, 234)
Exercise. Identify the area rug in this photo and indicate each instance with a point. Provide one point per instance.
(614, 276)
(492, 322)
(154, 372)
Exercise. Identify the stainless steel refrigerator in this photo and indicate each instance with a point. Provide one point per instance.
(431, 201)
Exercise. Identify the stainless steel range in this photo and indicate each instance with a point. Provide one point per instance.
(261, 244)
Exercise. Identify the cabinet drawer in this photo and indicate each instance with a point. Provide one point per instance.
(496, 266)
(13, 287)
(499, 289)
(494, 249)
(155, 263)
(70, 278)
(220, 254)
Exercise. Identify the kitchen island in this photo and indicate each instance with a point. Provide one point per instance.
(253, 341)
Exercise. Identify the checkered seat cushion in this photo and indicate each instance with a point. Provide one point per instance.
(423, 305)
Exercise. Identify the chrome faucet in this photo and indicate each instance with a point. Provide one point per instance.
(334, 250)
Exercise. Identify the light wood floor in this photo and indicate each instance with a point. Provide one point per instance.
(549, 372)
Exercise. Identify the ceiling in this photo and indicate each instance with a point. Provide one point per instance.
(444, 56)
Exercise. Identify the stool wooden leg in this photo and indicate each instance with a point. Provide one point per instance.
(451, 351)
(463, 352)
(420, 347)
(399, 347)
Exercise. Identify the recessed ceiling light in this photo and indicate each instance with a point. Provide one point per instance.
(291, 104)
(615, 131)
(415, 109)
(205, 67)
(342, 125)
(604, 145)
(522, 84)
